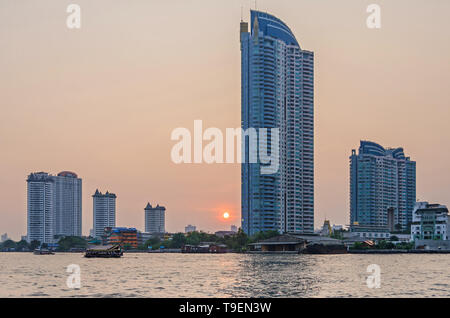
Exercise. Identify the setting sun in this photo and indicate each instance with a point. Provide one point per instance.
(226, 215)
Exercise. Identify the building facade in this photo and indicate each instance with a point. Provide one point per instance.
(143, 237)
(123, 236)
(104, 212)
(277, 92)
(382, 188)
(155, 219)
(54, 206)
(430, 222)
(41, 200)
(68, 204)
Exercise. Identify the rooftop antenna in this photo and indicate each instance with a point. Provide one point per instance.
(242, 13)
(256, 5)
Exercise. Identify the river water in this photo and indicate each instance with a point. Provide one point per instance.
(225, 275)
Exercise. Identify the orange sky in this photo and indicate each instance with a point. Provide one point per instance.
(102, 101)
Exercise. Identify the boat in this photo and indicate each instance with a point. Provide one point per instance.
(104, 251)
(40, 251)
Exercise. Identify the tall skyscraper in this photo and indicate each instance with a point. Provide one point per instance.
(155, 219)
(54, 206)
(382, 183)
(104, 212)
(68, 209)
(41, 207)
(278, 92)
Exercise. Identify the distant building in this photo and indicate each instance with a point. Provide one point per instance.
(430, 222)
(68, 206)
(234, 228)
(381, 179)
(369, 232)
(104, 212)
(190, 228)
(122, 236)
(224, 233)
(398, 237)
(41, 199)
(53, 206)
(335, 228)
(23, 238)
(155, 219)
(4, 237)
(326, 228)
(143, 237)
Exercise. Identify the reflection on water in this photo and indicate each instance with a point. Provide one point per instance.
(225, 275)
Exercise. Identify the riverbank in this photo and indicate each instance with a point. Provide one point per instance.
(374, 251)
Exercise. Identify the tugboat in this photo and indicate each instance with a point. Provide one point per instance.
(104, 251)
(41, 251)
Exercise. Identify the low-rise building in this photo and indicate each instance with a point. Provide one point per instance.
(224, 233)
(369, 232)
(190, 228)
(122, 236)
(143, 237)
(326, 228)
(430, 222)
(400, 237)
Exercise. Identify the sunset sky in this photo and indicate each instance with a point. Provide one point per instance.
(103, 100)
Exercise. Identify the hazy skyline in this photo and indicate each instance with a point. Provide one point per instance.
(102, 101)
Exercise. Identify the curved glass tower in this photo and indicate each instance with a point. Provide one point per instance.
(278, 92)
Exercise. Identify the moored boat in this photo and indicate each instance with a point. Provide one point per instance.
(40, 251)
(104, 251)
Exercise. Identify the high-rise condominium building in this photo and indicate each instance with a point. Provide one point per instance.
(54, 206)
(278, 92)
(104, 212)
(68, 204)
(382, 183)
(41, 207)
(155, 219)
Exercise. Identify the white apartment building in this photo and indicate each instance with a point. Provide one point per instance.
(41, 198)
(53, 206)
(155, 219)
(68, 208)
(104, 212)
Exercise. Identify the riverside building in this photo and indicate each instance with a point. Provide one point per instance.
(277, 92)
(53, 206)
(104, 212)
(382, 189)
(430, 222)
(155, 219)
